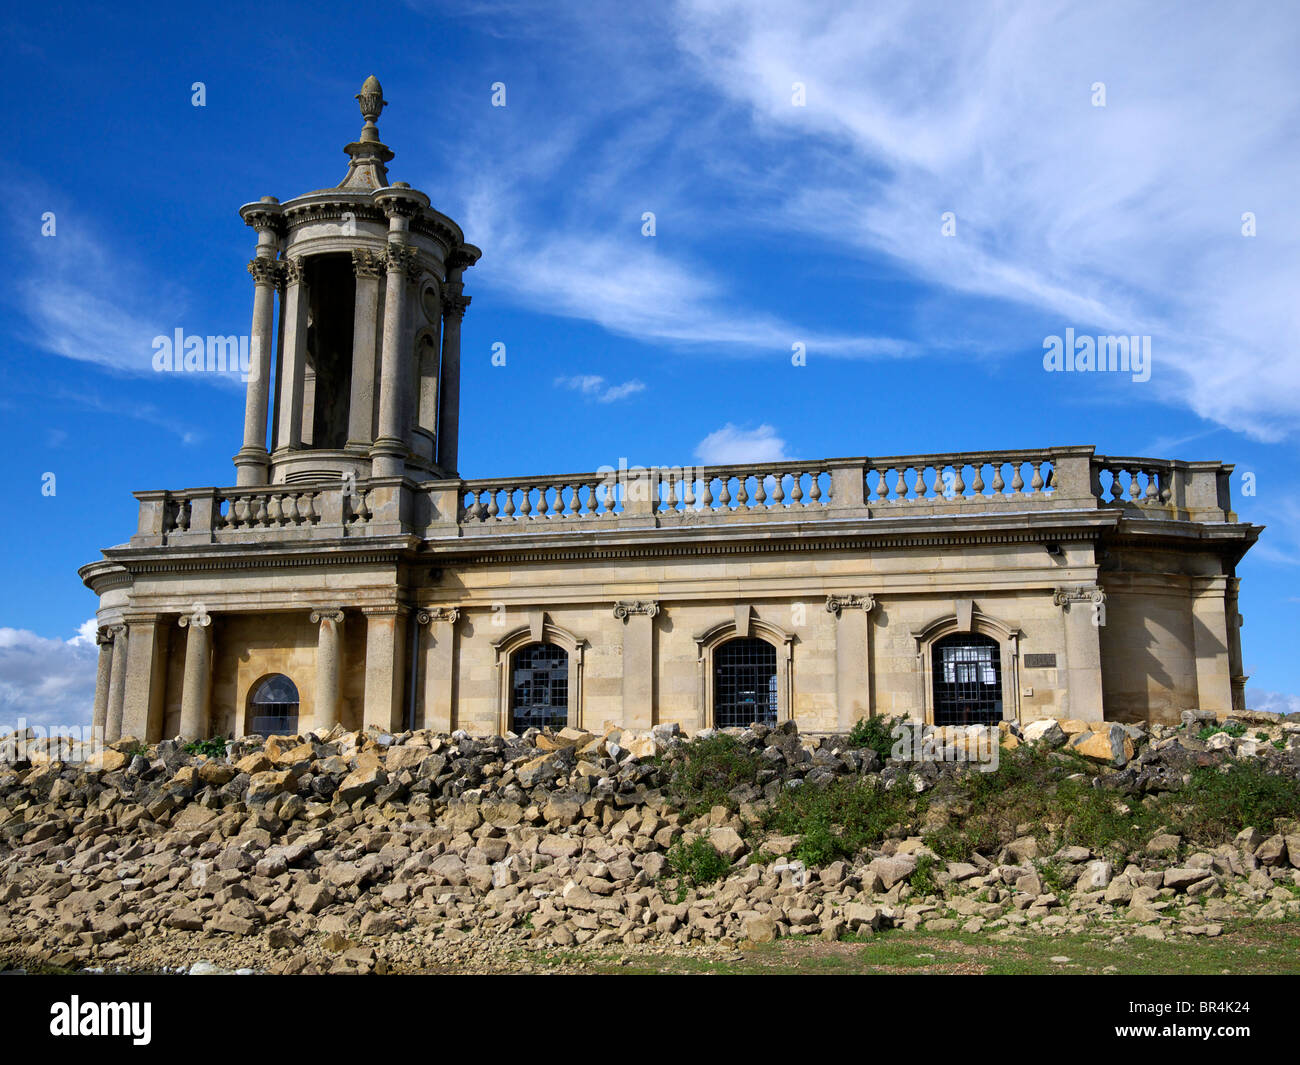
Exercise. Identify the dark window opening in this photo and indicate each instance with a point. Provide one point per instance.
(539, 687)
(332, 289)
(967, 680)
(273, 708)
(744, 683)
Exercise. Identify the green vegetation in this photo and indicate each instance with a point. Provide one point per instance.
(213, 748)
(873, 732)
(838, 819)
(1048, 794)
(1235, 729)
(922, 878)
(1219, 803)
(706, 771)
(697, 863)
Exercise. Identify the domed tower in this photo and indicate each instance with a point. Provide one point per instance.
(366, 375)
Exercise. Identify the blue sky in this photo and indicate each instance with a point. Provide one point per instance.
(775, 224)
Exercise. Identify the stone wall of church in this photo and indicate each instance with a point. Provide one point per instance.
(1156, 643)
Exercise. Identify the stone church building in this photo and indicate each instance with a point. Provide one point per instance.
(351, 575)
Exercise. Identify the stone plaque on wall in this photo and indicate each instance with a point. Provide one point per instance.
(1040, 661)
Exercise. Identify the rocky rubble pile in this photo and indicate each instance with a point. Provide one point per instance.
(366, 851)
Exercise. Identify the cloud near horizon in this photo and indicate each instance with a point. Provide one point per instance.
(47, 682)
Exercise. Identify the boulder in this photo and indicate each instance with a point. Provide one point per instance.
(727, 842)
(761, 928)
(892, 870)
(1111, 746)
(1047, 731)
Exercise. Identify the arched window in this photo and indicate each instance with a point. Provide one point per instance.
(273, 707)
(539, 687)
(744, 683)
(967, 680)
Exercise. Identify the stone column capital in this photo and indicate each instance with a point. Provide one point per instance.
(267, 271)
(1083, 593)
(106, 634)
(429, 615)
(294, 271)
(367, 263)
(625, 608)
(399, 258)
(835, 604)
(198, 617)
(454, 300)
(327, 613)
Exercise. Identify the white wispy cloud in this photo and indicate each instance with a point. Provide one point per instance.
(84, 298)
(44, 681)
(593, 386)
(1125, 217)
(732, 444)
(1117, 219)
(623, 283)
(1272, 702)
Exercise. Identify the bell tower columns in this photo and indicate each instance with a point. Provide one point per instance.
(253, 460)
(454, 304)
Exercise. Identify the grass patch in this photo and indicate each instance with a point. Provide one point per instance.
(838, 819)
(1219, 803)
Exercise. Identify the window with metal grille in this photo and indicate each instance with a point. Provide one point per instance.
(539, 687)
(744, 683)
(967, 680)
(274, 707)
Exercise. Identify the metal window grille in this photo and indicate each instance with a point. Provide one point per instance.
(744, 683)
(967, 681)
(275, 707)
(539, 690)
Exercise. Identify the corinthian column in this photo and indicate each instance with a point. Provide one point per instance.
(293, 357)
(389, 451)
(328, 666)
(196, 688)
(454, 303)
(251, 462)
(368, 267)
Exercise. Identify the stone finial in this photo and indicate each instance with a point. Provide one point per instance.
(371, 99)
(369, 155)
